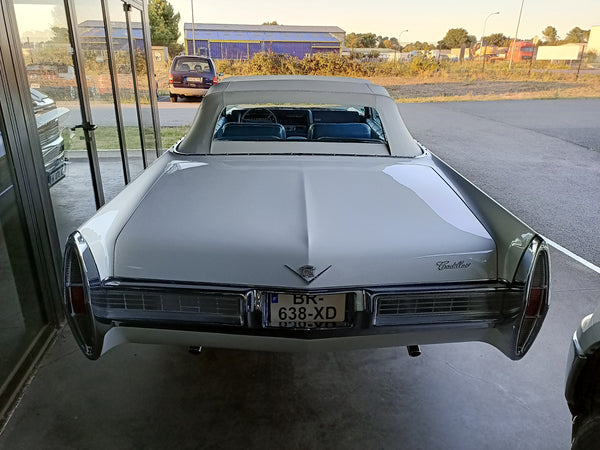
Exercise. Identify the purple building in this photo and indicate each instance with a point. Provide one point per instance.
(225, 41)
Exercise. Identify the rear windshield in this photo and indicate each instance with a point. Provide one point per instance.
(291, 122)
(192, 65)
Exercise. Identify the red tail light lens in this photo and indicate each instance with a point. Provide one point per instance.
(537, 295)
(74, 285)
(170, 78)
(77, 299)
(215, 80)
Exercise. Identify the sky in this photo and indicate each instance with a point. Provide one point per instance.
(425, 20)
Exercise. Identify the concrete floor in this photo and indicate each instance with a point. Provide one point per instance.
(455, 396)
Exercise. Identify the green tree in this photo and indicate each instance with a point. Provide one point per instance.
(164, 23)
(550, 35)
(455, 37)
(391, 43)
(577, 35)
(361, 40)
(498, 39)
(418, 45)
(352, 40)
(61, 35)
(367, 40)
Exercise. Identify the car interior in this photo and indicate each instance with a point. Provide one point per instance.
(192, 66)
(313, 123)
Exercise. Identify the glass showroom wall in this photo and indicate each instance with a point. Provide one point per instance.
(87, 62)
(21, 315)
(78, 121)
(29, 251)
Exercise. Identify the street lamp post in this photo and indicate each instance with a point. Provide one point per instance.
(399, 37)
(483, 34)
(193, 30)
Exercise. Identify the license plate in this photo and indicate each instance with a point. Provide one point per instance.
(55, 176)
(194, 79)
(307, 310)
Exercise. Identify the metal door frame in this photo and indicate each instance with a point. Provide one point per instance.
(86, 114)
(84, 103)
(138, 107)
(141, 7)
(115, 89)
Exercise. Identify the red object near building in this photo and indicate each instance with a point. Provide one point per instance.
(520, 51)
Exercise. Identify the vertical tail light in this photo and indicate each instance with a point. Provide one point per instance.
(215, 80)
(170, 78)
(76, 296)
(74, 289)
(537, 294)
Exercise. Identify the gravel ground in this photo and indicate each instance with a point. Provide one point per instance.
(471, 88)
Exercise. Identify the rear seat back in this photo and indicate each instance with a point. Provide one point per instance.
(338, 131)
(325, 116)
(234, 131)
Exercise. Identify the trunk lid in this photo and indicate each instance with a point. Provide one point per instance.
(257, 220)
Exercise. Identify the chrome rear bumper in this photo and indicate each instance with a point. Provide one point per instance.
(188, 92)
(124, 311)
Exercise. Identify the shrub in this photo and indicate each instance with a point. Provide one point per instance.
(334, 64)
(422, 65)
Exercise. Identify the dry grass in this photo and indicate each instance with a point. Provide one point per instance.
(429, 81)
(421, 90)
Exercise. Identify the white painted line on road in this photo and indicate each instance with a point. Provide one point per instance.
(570, 254)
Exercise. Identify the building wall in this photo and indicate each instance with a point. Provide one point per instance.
(244, 41)
(594, 40)
(567, 52)
(246, 50)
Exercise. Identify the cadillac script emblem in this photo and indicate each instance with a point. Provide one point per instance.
(307, 272)
(447, 265)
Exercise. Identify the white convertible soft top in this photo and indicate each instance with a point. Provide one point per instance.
(301, 83)
(295, 89)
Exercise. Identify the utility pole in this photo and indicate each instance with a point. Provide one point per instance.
(193, 30)
(512, 50)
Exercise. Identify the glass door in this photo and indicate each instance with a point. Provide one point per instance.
(87, 62)
(136, 91)
(59, 91)
(147, 85)
(22, 316)
(96, 57)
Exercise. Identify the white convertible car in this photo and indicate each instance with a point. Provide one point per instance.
(299, 214)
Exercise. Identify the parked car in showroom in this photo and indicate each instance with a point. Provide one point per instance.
(582, 389)
(299, 214)
(50, 122)
(191, 76)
